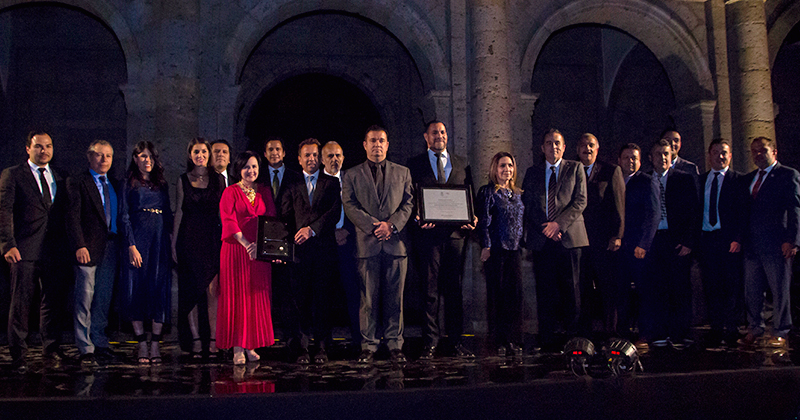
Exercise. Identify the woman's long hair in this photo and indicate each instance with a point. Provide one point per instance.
(493, 172)
(156, 174)
(193, 142)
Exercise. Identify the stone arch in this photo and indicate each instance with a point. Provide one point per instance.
(397, 16)
(674, 46)
(111, 16)
(779, 29)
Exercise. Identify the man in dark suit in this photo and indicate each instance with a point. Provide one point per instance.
(377, 198)
(277, 175)
(313, 206)
(604, 218)
(666, 290)
(679, 163)
(555, 197)
(771, 240)
(440, 249)
(332, 160)
(92, 231)
(32, 207)
(642, 214)
(221, 158)
(720, 253)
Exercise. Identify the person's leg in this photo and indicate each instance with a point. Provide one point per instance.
(392, 294)
(84, 295)
(213, 295)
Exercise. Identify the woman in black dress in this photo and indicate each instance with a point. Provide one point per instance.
(195, 248)
(146, 281)
(500, 226)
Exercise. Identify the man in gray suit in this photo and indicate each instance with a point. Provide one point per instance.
(377, 198)
(555, 196)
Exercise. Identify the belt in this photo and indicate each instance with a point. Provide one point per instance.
(156, 211)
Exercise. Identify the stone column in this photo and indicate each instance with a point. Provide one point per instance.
(459, 131)
(751, 82)
(697, 130)
(718, 45)
(491, 106)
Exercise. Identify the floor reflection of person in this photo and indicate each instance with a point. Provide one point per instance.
(500, 210)
(146, 280)
(244, 321)
(195, 248)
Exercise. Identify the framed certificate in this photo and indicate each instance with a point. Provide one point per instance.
(274, 241)
(445, 204)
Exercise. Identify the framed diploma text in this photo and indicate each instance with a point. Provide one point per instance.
(445, 204)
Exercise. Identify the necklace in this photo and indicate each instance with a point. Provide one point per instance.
(249, 192)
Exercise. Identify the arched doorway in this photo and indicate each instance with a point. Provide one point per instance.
(313, 105)
(598, 79)
(786, 95)
(64, 68)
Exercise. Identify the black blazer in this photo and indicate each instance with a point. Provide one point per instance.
(26, 222)
(729, 205)
(642, 212)
(86, 218)
(321, 216)
(289, 178)
(422, 174)
(604, 215)
(682, 208)
(774, 215)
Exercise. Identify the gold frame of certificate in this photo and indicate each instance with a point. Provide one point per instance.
(273, 241)
(445, 204)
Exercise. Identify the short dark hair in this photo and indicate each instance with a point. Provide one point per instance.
(375, 127)
(660, 143)
(432, 122)
(633, 146)
(719, 141)
(240, 162)
(192, 143)
(221, 141)
(771, 143)
(32, 134)
(306, 142)
(667, 130)
(269, 139)
(550, 131)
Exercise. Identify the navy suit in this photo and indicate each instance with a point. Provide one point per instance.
(771, 219)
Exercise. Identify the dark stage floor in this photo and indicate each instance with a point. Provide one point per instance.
(690, 383)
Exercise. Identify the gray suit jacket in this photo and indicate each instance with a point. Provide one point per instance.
(362, 207)
(570, 202)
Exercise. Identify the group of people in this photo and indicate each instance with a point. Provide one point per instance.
(592, 229)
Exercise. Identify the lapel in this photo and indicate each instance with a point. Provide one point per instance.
(33, 183)
(319, 189)
(372, 194)
(94, 194)
(595, 170)
(387, 176)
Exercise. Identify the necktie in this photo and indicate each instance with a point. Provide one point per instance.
(440, 176)
(379, 181)
(551, 194)
(106, 200)
(712, 201)
(756, 187)
(45, 187)
(663, 197)
(586, 169)
(310, 190)
(275, 183)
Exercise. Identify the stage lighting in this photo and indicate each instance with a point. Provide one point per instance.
(622, 357)
(578, 352)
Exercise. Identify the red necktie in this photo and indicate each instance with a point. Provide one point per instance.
(757, 186)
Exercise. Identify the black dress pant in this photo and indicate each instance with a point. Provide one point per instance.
(558, 293)
(442, 268)
(504, 296)
(722, 282)
(666, 292)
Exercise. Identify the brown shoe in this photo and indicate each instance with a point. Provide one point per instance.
(778, 343)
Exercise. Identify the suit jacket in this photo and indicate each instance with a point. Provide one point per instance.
(422, 174)
(570, 203)
(86, 217)
(683, 216)
(604, 215)
(774, 215)
(321, 215)
(26, 222)
(362, 207)
(690, 168)
(289, 178)
(642, 212)
(729, 205)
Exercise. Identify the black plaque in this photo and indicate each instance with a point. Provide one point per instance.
(445, 204)
(274, 242)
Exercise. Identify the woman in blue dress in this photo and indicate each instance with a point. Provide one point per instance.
(146, 279)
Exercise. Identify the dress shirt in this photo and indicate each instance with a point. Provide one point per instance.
(48, 176)
(547, 174)
(225, 177)
(338, 176)
(311, 185)
(707, 198)
(112, 194)
(448, 166)
(588, 170)
(766, 170)
(280, 170)
(663, 180)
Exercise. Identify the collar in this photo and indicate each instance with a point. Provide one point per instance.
(432, 154)
(557, 164)
(338, 174)
(666, 173)
(315, 174)
(35, 167)
(769, 168)
(97, 176)
(722, 171)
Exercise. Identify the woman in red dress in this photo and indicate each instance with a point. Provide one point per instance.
(244, 321)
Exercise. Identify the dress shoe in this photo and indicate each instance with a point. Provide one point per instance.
(514, 350)
(661, 342)
(777, 343)
(19, 366)
(321, 357)
(502, 351)
(748, 340)
(428, 353)
(88, 360)
(366, 356)
(304, 358)
(397, 356)
(463, 352)
(105, 354)
(57, 355)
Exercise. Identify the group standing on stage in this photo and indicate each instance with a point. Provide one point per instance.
(595, 231)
